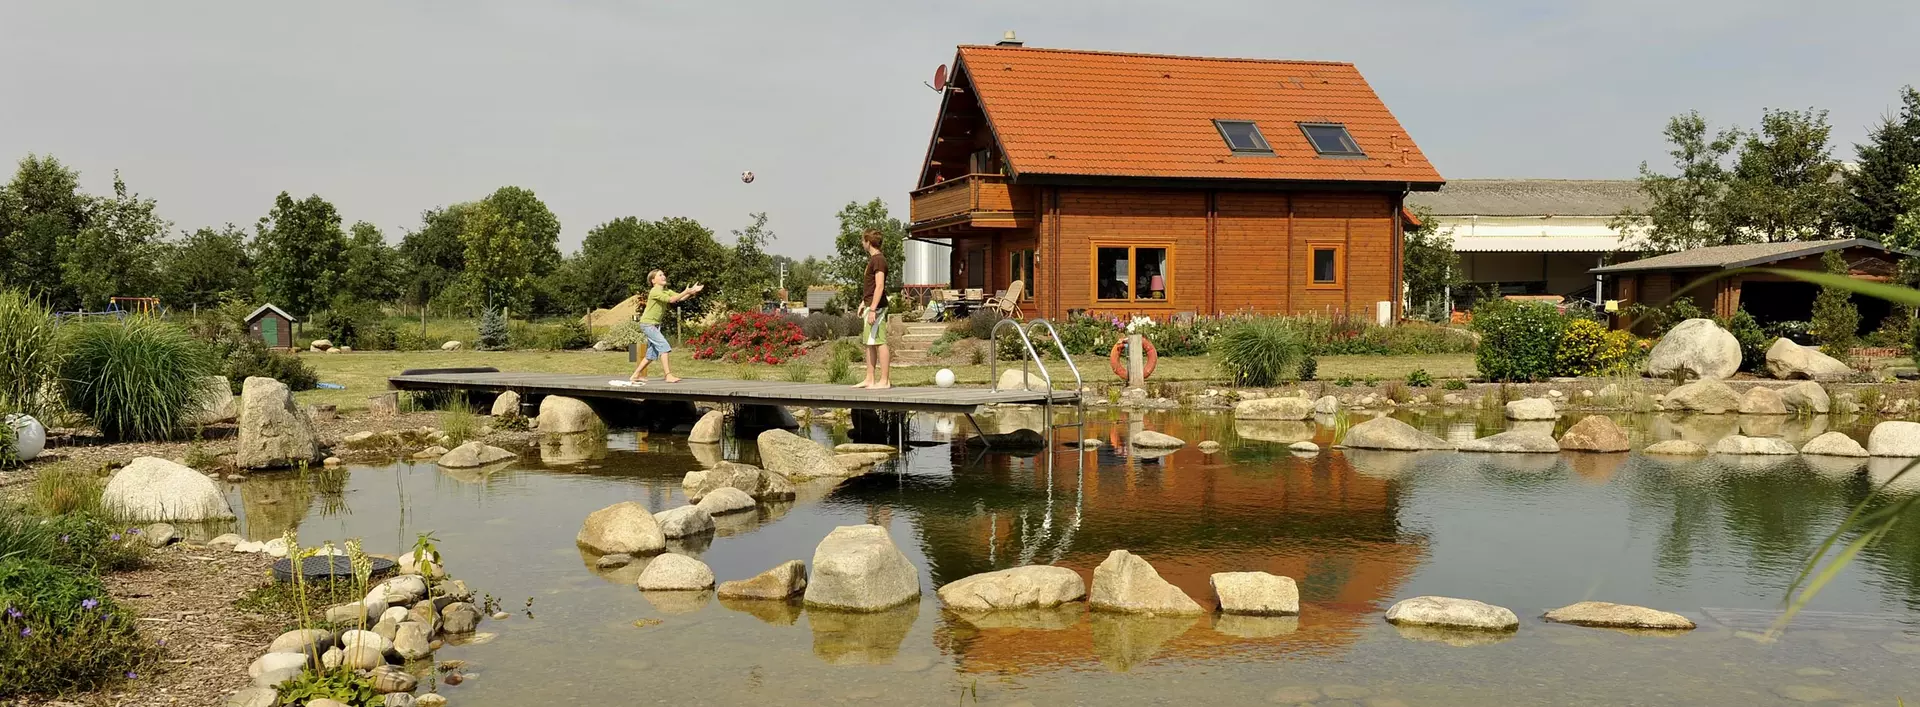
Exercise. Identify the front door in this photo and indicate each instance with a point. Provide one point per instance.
(977, 268)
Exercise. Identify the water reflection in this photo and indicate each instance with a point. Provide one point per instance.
(844, 638)
(1124, 641)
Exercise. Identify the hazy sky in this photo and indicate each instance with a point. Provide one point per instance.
(652, 109)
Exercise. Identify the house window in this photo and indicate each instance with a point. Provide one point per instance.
(1243, 137)
(1021, 266)
(1331, 140)
(1326, 265)
(1133, 273)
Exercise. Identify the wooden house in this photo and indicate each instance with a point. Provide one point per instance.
(1116, 183)
(1722, 280)
(272, 326)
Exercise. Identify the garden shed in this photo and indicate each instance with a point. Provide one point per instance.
(272, 326)
(1768, 297)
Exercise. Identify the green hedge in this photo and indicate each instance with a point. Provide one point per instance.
(1519, 341)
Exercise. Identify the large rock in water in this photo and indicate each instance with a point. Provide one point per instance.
(1448, 612)
(152, 489)
(670, 572)
(506, 405)
(1388, 433)
(724, 500)
(1608, 615)
(1532, 409)
(1149, 439)
(1806, 398)
(1761, 400)
(216, 400)
(1282, 408)
(1743, 445)
(783, 581)
(274, 432)
(1594, 433)
(684, 522)
(708, 429)
(1514, 441)
(625, 528)
(473, 454)
(1894, 438)
(1256, 593)
(560, 414)
(857, 568)
(758, 483)
(1675, 447)
(1786, 359)
(1708, 396)
(1029, 587)
(1695, 348)
(796, 457)
(1124, 583)
(1833, 444)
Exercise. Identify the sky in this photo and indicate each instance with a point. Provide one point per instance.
(653, 109)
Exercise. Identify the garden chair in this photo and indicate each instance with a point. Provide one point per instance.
(1009, 305)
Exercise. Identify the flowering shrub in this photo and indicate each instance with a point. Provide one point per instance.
(1589, 349)
(750, 337)
(1519, 341)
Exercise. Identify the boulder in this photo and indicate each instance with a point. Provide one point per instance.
(1326, 405)
(624, 527)
(1149, 439)
(795, 457)
(459, 617)
(857, 568)
(273, 662)
(303, 641)
(1532, 409)
(320, 345)
(1514, 441)
(274, 432)
(356, 612)
(226, 540)
(154, 489)
(433, 452)
(158, 535)
(1607, 615)
(1744, 445)
(452, 346)
(1304, 447)
(1594, 433)
(427, 564)
(369, 639)
(1806, 398)
(670, 572)
(685, 521)
(1675, 448)
(362, 658)
(858, 462)
(1256, 593)
(254, 697)
(1448, 612)
(864, 448)
(708, 429)
(1786, 359)
(1761, 400)
(403, 590)
(1894, 438)
(1012, 379)
(216, 400)
(1209, 446)
(413, 640)
(507, 404)
(724, 500)
(1707, 396)
(560, 414)
(1124, 583)
(782, 582)
(1283, 408)
(390, 679)
(473, 454)
(1029, 587)
(1388, 433)
(1695, 348)
(1833, 444)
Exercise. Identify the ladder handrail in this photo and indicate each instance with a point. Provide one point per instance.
(1078, 382)
(993, 361)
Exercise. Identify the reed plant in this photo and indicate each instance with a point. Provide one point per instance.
(66, 488)
(796, 372)
(459, 422)
(29, 355)
(1259, 351)
(137, 380)
(839, 367)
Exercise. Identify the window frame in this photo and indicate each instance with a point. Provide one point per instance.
(1021, 265)
(1339, 281)
(1133, 262)
(1356, 154)
(1264, 149)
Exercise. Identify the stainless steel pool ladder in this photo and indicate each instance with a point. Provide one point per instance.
(1026, 382)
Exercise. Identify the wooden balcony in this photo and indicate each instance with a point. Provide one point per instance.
(976, 201)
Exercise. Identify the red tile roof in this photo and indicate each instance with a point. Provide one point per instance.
(1084, 113)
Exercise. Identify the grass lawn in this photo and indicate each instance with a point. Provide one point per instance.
(364, 373)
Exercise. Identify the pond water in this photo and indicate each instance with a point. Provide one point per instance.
(1715, 539)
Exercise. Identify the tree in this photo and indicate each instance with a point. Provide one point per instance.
(511, 240)
(435, 256)
(616, 256)
(1891, 151)
(371, 270)
(1785, 183)
(41, 210)
(1429, 267)
(297, 248)
(1683, 210)
(851, 261)
(1835, 320)
(749, 276)
(1905, 232)
(115, 252)
(207, 267)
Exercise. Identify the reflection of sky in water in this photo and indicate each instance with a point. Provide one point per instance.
(1357, 530)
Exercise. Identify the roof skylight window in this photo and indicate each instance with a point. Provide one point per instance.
(1331, 140)
(1243, 137)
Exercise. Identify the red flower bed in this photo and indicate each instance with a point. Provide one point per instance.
(750, 337)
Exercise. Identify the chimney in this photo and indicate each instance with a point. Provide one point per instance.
(1008, 40)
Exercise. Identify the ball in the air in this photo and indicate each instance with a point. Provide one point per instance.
(944, 378)
(746, 177)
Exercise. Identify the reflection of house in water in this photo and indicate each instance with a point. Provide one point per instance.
(1337, 533)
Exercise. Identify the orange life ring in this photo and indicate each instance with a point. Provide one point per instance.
(1120, 369)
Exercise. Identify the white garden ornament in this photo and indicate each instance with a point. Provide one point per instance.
(29, 436)
(944, 378)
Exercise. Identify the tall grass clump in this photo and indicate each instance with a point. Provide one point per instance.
(1261, 351)
(137, 380)
(839, 367)
(797, 372)
(459, 422)
(67, 488)
(29, 354)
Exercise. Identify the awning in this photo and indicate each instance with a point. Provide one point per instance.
(1535, 244)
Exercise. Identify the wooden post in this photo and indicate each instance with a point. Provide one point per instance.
(1136, 362)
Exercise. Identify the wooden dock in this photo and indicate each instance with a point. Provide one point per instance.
(740, 392)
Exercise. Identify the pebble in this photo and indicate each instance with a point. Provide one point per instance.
(500, 615)
(430, 700)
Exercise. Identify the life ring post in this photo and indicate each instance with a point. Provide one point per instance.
(1147, 356)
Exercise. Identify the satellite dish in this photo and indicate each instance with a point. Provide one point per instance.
(940, 78)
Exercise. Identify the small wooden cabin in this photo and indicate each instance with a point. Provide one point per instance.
(272, 326)
(1122, 184)
(1767, 297)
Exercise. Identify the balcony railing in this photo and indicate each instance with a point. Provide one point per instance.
(984, 200)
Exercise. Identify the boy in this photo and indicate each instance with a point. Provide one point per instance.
(657, 300)
(873, 307)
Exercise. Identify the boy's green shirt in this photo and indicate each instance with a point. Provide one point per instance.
(657, 300)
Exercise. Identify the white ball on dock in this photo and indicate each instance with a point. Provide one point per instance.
(944, 378)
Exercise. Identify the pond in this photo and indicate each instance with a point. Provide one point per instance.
(1715, 539)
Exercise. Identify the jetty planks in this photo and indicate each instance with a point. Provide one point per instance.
(739, 392)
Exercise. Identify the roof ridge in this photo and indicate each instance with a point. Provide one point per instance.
(1151, 55)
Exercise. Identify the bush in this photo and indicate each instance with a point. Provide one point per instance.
(1454, 384)
(744, 337)
(569, 335)
(408, 339)
(1260, 351)
(1836, 322)
(853, 352)
(1753, 340)
(29, 355)
(377, 337)
(1519, 341)
(136, 380)
(1580, 349)
(980, 324)
(1419, 378)
(625, 334)
(1309, 368)
(63, 633)
(820, 326)
(1795, 331)
(1090, 336)
(253, 358)
(347, 322)
(493, 331)
(347, 687)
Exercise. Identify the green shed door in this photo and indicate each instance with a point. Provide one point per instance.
(270, 332)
